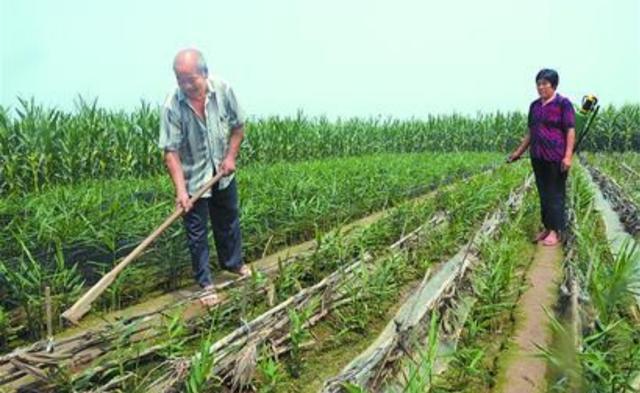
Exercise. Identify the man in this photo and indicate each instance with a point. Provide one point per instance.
(201, 129)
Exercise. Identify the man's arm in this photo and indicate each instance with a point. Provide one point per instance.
(172, 160)
(236, 123)
(228, 165)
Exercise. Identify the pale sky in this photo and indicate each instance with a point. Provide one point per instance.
(400, 58)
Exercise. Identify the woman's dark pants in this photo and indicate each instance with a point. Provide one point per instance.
(551, 183)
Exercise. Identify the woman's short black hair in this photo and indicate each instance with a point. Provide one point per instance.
(549, 75)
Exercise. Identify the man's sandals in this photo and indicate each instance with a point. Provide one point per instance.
(209, 296)
(243, 271)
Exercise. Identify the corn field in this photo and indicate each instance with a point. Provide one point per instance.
(41, 147)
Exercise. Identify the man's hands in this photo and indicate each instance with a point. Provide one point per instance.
(228, 166)
(172, 159)
(183, 201)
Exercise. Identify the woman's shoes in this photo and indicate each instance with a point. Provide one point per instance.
(540, 236)
(551, 239)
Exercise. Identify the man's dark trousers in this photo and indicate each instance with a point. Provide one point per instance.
(222, 209)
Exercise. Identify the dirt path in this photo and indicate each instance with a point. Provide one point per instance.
(155, 304)
(521, 371)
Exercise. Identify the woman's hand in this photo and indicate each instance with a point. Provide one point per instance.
(515, 156)
(517, 153)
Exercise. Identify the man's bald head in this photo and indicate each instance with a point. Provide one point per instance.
(190, 61)
(191, 73)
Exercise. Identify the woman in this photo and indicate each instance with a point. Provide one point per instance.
(551, 139)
